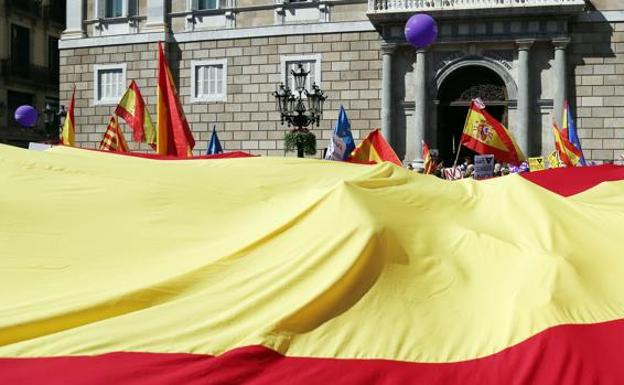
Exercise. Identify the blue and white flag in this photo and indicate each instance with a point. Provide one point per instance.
(214, 147)
(569, 127)
(341, 144)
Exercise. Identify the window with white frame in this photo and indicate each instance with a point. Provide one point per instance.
(108, 9)
(200, 5)
(207, 4)
(110, 83)
(113, 8)
(311, 63)
(209, 80)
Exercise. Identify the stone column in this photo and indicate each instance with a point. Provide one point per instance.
(420, 107)
(156, 16)
(387, 51)
(523, 119)
(560, 77)
(74, 17)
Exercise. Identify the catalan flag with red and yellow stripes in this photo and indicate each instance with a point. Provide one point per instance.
(298, 271)
(113, 140)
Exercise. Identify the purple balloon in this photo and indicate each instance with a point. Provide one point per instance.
(26, 116)
(421, 30)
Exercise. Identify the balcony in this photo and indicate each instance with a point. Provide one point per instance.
(381, 8)
(33, 75)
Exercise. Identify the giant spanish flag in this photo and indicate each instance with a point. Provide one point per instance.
(130, 271)
(174, 136)
(485, 135)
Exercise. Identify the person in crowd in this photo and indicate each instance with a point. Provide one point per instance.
(435, 157)
(469, 173)
(524, 167)
(497, 169)
(467, 161)
(439, 170)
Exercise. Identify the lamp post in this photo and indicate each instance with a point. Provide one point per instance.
(292, 108)
(52, 123)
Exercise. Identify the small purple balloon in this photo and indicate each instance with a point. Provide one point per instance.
(421, 30)
(26, 116)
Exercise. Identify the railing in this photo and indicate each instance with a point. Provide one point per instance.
(440, 5)
(32, 73)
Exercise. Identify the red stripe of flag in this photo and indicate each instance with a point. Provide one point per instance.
(563, 355)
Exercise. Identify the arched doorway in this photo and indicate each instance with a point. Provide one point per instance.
(454, 96)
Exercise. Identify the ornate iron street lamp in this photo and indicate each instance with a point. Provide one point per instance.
(292, 108)
(53, 122)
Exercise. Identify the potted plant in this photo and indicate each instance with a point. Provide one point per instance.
(301, 140)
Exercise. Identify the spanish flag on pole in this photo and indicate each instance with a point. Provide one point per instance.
(429, 164)
(568, 153)
(485, 135)
(374, 149)
(114, 140)
(311, 273)
(174, 135)
(568, 130)
(68, 135)
(133, 110)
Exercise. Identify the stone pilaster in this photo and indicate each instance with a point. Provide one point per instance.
(74, 16)
(561, 86)
(420, 109)
(523, 133)
(387, 51)
(156, 16)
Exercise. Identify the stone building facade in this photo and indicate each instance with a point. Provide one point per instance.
(29, 64)
(523, 57)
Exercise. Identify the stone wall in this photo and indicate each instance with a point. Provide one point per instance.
(248, 121)
(596, 56)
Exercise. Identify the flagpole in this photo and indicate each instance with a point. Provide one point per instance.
(459, 145)
(456, 159)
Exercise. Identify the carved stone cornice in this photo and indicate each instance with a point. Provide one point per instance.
(561, 42)
(525, 44)
(388, 48)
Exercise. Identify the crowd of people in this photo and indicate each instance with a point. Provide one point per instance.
(466, 168)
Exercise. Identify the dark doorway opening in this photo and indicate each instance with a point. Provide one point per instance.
(454, 96)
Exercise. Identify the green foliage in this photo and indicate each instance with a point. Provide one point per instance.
(300, 139)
